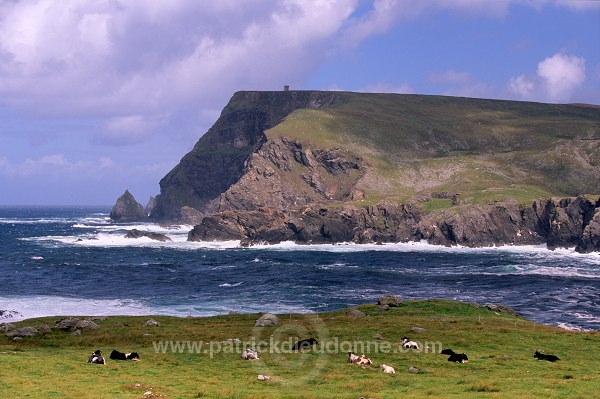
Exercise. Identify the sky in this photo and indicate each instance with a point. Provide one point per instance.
(97, 97)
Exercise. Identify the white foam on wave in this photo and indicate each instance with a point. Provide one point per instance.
(43, 306)
(572, 327)
(36, 221)
(589, 317)
(230, 284)
(558, 271)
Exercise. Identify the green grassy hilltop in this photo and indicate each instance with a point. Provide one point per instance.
(198, 357)
(482, 149)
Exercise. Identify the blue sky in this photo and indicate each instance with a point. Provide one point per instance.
(98, 97)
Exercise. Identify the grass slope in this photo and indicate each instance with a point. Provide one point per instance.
(486, 150)
(55, 365)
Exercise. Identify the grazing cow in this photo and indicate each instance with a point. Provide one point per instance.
(304, 344)
(116, 355)
(458, 358)
(408, 344)
(249, 354)
(352, 358)
(447, 352)
(387, 369)
(541, 356)
(96, 358)
(363, 360)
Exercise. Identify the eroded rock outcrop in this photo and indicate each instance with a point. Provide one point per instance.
(127, 210)
(570, 222)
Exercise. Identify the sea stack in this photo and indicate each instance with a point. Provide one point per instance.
(127, 209)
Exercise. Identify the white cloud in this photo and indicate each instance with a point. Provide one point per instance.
(557, 79)
(561, 75)
(580, 5)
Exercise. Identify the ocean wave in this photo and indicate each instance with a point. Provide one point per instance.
(230, 284)
(43, 306)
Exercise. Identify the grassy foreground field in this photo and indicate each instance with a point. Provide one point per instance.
(191, 357)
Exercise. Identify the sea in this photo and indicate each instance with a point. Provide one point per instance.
(74, 261)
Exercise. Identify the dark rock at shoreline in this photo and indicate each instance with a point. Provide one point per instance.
(9, 314)
(559, 223)
(150, 205)
(135, 233)
(127, 210)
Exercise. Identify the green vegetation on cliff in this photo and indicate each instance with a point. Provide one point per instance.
(482, 150)
(500, 350)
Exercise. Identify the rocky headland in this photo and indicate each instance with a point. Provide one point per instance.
(325, 167)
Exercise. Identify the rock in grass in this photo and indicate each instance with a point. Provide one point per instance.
(76, 333)
(151, 323)
(389, 300)
(4, 327)
(501, 309)
(268, 319)
(418, 330)
(86, 325)
(23, 332)
(263, 377)
(355, 313)
(66, 324)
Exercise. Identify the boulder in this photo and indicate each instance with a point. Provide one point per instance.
(66, 324)
(501, 309)
(389, 300)
(355, 313)
(151, 323)
(22, 332)
(267, 319)
(127, 210)
(43, 329)
(135, 233)
(86, 325)
(6, 327)
(418, 330)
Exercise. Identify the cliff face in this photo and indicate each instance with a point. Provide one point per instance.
(571, 222)
(333, 166)
(220, 157)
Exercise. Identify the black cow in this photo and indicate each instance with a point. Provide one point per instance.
(304, 344)
(541, 356)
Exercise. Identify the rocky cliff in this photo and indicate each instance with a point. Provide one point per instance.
(127, 209)
(571, 222)
(222, 155)
(334, 166)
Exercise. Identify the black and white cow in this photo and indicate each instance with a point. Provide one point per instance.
(116, 355)
(458, 358)
(408, 344)
(96, 358)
